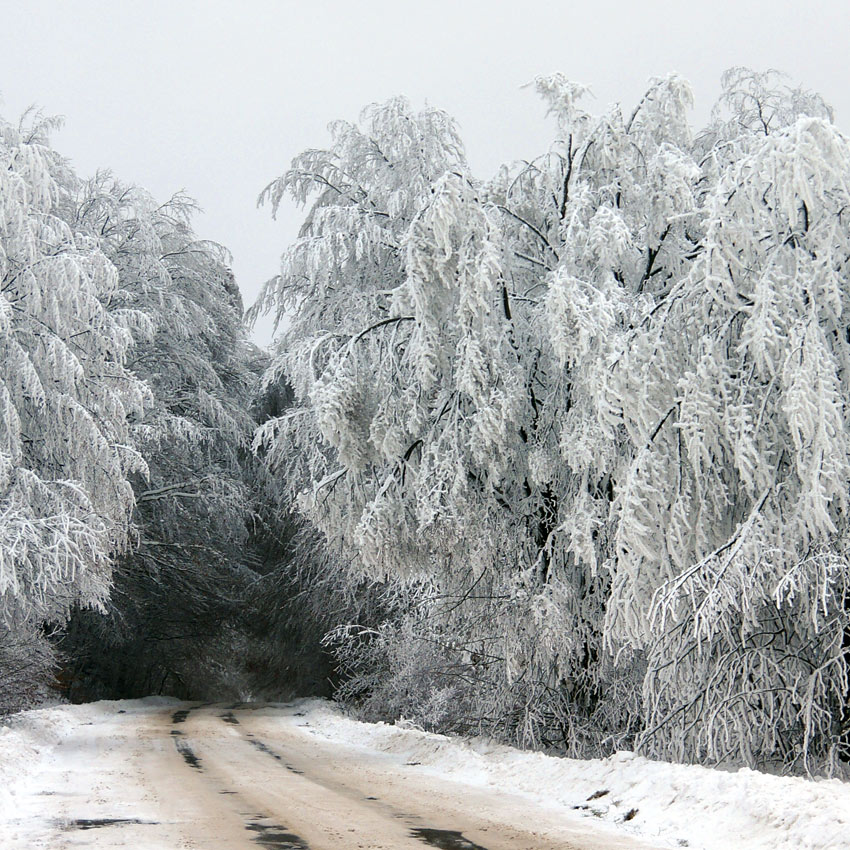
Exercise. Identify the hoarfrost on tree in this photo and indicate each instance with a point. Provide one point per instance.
(66, 397)
(591, 411)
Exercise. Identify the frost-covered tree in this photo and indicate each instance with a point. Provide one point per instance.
(173, 617)
(407, 385)
(598, 228)
(426, 438)
(65, 393)
(730, 562)
(589, 414)
(66, 398)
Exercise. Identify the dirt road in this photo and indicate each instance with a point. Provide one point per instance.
(244, 777)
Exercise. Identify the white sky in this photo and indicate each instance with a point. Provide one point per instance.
(217, 97)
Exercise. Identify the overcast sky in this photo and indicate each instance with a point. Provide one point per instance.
(217, 97)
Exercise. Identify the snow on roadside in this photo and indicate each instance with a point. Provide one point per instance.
(683, 805)
(28, 739)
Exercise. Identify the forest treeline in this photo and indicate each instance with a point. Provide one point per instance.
(560, 456)
(141, 548)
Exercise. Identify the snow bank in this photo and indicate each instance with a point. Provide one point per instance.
(681, 805)
(27, 741)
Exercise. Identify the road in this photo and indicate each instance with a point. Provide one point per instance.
(244, 777)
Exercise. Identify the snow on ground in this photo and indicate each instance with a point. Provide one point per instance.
(671, 805)
(28, 739)
(683, 805)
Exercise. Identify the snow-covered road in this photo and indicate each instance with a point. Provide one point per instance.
(157, 774)
(145, 775)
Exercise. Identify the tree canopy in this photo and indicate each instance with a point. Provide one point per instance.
(134, 532)
(66, 396)
(587, 418)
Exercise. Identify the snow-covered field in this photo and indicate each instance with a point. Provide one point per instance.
(624, 796)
